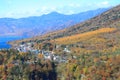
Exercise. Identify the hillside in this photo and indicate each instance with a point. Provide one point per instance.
(86, 51)
(110, 18)
(83, 37)
(99, 31)
(37, 25)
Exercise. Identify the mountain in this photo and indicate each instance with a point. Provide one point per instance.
(100, 34)
(90, 49)
(110, 18)
(37, 25)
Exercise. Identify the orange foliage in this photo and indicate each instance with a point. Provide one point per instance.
(10, 65)
(80, 37)
(1, 67)
(40, 56)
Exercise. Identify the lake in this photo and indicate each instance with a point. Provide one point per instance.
(4, 40)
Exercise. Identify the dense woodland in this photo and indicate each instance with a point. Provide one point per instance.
(87, 66)
(16, 65)
(97, 58)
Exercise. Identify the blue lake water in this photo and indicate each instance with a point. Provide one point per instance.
(4, 40)
(4, 45)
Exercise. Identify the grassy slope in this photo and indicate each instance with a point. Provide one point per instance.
(84, 36)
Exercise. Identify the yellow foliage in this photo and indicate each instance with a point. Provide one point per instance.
(1, 67)
(114, 48)
(40, 56)
(96, 60)
(85, 70)
(84, 36)
(23, 53)
(81, 50)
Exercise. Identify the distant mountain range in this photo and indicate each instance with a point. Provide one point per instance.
(107, 19)
(37, 25)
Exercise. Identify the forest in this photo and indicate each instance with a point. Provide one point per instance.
(93, 56)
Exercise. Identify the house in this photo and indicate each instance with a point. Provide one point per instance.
(66, 50)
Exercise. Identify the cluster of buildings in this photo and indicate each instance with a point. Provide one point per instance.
(47, 54)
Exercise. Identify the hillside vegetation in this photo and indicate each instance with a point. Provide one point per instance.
(84, 36)
(91, 49)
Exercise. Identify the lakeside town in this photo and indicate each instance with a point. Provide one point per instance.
(46, 54)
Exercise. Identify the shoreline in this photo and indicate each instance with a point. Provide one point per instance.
(5, 45)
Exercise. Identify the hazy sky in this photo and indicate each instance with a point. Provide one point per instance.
(25, 8)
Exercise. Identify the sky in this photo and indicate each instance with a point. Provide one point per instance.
(26, 8)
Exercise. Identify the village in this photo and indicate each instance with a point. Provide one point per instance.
(47, 55)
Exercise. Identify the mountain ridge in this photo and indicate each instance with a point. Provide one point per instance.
(108, 19)
(37, 25)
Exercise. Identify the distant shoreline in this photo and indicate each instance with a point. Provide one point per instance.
(5, 42)
(5, 45)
